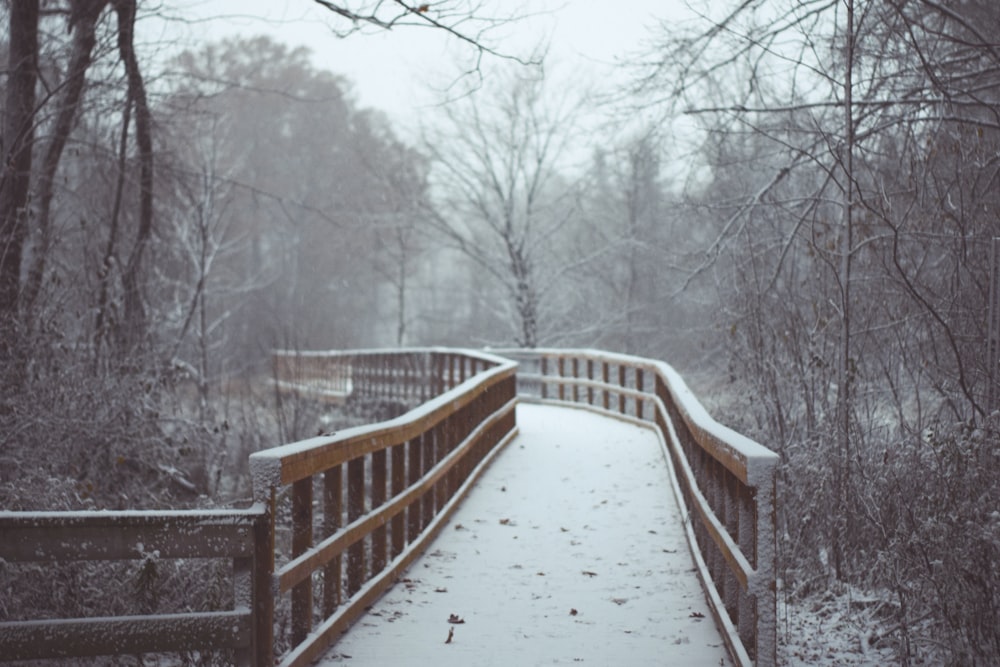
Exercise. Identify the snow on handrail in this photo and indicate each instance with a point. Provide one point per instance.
(722, 479)
(386, 487)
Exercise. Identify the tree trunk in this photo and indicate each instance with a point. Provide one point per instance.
(845, 370)
(85, 14)
(134, 320)
(18, 137)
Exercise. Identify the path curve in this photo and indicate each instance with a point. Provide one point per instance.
(568, 551)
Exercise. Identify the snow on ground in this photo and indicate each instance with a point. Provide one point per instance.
(830, 628)
(569, 550)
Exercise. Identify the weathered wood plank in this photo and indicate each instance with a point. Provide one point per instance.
(54, 536)
(31, 640)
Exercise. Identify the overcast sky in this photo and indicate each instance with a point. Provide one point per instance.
(394, 70)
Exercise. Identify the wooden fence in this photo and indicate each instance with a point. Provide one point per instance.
(386, 491)
(240, 535)
(343, 514)
(723, 480)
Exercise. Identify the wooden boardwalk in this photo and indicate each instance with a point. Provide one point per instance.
(569, 550)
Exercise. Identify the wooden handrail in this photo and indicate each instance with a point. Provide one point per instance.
(722, 480)
(241, 535)
(387, 487)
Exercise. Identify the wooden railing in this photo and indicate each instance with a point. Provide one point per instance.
(723, 481)
(240, 535)
(412, 375)
(385, 489)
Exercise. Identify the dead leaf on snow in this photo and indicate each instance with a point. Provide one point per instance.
(573, 612)
(619, 601)
(441, 590)
(589, 573)
(697, 614)
(455, 619)
(451, 635)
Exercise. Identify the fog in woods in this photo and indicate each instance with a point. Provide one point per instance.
(793, 202)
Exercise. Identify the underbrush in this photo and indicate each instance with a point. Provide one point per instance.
(80, 437)
(920, 524)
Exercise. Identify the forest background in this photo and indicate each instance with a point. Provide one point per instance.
(813, 249)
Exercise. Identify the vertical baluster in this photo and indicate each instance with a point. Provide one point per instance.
(431, 441)
(576, 376)
(621, 383)
(544, 374)
(414, 513)
(302, 533)
(333, 507)
(562, 373)
(263, 642)
(378, 499)
(355, 508)
(606, 379)
(398, 486)
(590, 378)
(640, 386)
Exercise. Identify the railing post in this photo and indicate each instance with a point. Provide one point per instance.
(263, 595)
(590, 377)
(302, 529)
(766, 631)
(355, 508)
(562, 386)
(431, 439)
(576, 375)
(378, 499)
(606, 379)
(398, 485)
(414, 471)
(621, 383)
(544, 374)
(333, 508)
(639, 387)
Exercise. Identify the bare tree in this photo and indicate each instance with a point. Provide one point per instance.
(15, 177)
(503, 195)
(850, 144)
(469, 21)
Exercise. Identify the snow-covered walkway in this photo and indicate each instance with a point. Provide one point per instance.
(569, 550)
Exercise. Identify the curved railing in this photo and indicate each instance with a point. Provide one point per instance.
(387, 488)
(341, 515)
(723, 480)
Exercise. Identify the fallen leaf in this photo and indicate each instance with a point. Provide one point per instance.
(455, 619)
(589, 573)
(619, 601)
(441, 590)
(505, 522)
(697, 614)
(451, 634)
(573, 612)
